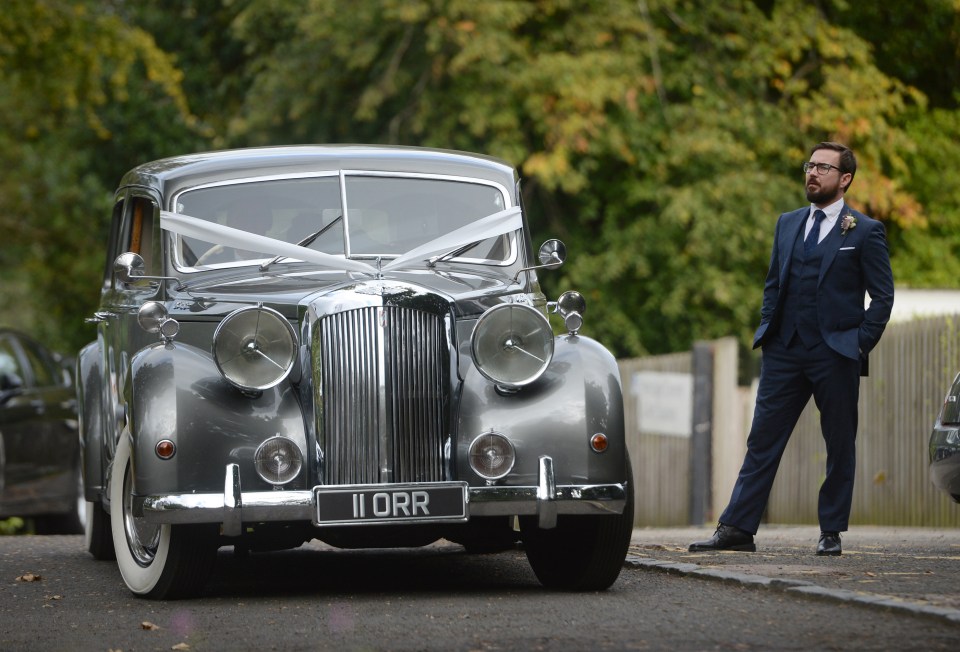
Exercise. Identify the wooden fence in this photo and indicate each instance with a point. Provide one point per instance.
(661, 463)
(910, 372)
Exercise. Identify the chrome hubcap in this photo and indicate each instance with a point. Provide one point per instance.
(142, 537)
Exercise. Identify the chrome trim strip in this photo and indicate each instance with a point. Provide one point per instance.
(385, 426)
(236, 507)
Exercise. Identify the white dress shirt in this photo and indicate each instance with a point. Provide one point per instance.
(832, 212)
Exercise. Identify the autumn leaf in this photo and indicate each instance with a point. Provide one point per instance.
(148, 626)
(29, 577)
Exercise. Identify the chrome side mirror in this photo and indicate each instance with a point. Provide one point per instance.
(552, 254)
(128, 269)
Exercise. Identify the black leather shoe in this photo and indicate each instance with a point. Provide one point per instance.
(727, 537)
(829, 544)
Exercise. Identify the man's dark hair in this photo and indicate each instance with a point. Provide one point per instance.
(848, 162)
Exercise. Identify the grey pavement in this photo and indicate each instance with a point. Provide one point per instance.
(914, 570)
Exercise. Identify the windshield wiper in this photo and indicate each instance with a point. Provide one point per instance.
(432, 262)
(306, 242)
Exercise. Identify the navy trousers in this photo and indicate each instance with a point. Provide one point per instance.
(789, 376)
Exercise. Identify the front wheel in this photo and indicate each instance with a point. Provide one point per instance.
(156, 561)
(583, 553)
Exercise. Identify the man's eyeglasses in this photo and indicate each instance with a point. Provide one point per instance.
(822, 168)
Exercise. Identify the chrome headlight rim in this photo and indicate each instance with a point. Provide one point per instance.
(512, 327)
(225, 353)
(288, 470)
(475, 453)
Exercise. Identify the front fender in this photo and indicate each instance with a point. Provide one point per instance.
(177, 393)
(90, 417)
(578, 396)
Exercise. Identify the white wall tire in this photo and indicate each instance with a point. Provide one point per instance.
(156, 561)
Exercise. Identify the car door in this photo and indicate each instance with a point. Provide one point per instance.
(135, 229)
(19, 413)
(55, 440)
(38, 427)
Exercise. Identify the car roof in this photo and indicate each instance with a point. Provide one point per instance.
(173, 174)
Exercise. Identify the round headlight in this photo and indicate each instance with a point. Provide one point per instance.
(512, 344)
(492, 456)
(254, 348)
(278, 460)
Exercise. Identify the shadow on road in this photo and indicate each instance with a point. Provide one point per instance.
(321, 570)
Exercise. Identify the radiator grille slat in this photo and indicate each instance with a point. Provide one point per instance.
(381, 377)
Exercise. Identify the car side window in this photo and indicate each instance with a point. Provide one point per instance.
(139, 231)
(114, 247)
(46, 371)
(10, 370)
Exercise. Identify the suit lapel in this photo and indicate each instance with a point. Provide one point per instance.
(790, 235)
(831, 245)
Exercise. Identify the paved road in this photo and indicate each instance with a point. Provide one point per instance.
(438, 598)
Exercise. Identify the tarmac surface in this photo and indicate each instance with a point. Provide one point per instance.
(913, 570)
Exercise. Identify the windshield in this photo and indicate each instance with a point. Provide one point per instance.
(374, 216)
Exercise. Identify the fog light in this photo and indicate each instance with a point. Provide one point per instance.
(492, 456)
(278, 460)
(599, 442)
(165, 449)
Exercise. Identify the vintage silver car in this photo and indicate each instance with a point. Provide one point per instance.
(343, 343)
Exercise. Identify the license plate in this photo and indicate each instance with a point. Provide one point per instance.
(392, 503)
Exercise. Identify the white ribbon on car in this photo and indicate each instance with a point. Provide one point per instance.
(194, 227)
(486, 227)
(490, 226)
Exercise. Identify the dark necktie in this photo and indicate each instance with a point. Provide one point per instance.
(814, 235)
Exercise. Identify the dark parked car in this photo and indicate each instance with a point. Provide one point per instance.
(39, 451)
(945, 444)
(344, 343)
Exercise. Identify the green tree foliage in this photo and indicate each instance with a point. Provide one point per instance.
(83, 96)
(659, 138)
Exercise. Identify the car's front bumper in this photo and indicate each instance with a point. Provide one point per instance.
(234, 507)
(945, 459)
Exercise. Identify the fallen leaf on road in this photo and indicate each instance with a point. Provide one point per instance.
(29, 577)
(869, 574)
(53, 597)
(150, 627)
(180, 646)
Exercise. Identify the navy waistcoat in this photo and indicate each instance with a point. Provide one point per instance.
(800, 304)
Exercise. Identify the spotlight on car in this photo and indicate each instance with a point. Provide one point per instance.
(278, 460)
(492, 456)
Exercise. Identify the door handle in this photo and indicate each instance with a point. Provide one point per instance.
(100, 316)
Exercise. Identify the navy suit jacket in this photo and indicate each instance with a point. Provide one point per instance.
(853, 264)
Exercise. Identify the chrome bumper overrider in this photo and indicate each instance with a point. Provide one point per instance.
(234, 507)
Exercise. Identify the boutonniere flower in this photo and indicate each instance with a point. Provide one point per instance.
(849, 222)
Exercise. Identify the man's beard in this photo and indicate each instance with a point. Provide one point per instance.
(818, 194)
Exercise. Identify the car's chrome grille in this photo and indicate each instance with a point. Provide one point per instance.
(381, 375)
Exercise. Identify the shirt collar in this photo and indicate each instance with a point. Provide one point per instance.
(832, 212)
